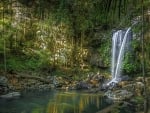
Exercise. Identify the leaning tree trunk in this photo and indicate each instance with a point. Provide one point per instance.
(143, 62)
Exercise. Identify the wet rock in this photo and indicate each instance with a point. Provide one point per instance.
(82, 85)
(118, 95)
(104, 87)
(11, 95)
(95, 81)
(110, 86)
(3, 85)
(3, 81)
(56, 82)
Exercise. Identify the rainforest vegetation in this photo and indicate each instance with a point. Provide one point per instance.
(53, 35)
(71, 38)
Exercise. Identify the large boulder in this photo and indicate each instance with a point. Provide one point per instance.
(82, 85)
(3, 85)
(3, 81)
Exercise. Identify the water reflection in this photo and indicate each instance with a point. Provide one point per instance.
(54, 102)
(74, 103)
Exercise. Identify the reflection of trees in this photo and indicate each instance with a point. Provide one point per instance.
(72, 103)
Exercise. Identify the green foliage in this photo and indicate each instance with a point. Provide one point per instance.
(139, 99)
(132, 59)
(129, 66)
(105, 49)
(56, 32)
(106, 54)
(21, 63)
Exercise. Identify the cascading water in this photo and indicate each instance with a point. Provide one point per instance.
(120, 41)
(116, 44)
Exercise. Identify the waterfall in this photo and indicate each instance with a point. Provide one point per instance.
(116, 43)
(120, 41)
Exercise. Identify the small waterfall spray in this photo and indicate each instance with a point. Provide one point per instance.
(119, 43)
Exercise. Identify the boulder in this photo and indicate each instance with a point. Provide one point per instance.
(57, 81)
(3, 85)
(3, 81)
(118, 95)
(82, 85)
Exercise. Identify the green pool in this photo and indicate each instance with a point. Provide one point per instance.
(54, 102)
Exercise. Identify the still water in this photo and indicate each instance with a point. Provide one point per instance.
(54, 102)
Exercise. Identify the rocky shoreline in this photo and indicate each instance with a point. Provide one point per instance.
(18, 82)
(12, 85)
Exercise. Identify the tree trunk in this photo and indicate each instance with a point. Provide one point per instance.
(143, 62)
